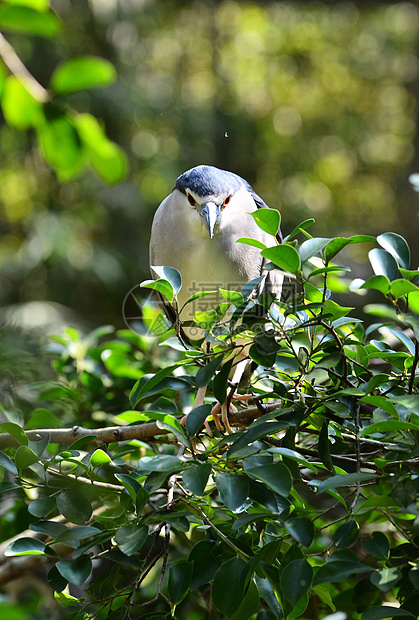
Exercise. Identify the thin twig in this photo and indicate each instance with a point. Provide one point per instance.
(18, 69)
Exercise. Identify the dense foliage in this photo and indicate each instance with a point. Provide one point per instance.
(126, 507)
(313, 104)
(307, 508)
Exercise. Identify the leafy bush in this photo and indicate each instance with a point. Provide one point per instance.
(307, 508)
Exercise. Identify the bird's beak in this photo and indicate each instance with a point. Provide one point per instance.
(209, 213)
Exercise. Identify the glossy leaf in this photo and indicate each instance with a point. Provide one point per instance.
(228, 586)
(338, 243)
(311, 247)
(26, 20)
(301, 529)
(75, 571)
(15, 431)
(206, 373)
(196, 418)
(346, 534)
(296, 578)
(276, 476)
(99, 458)
(206, 557)
(25, 546)
(268, 220)
(386, 579)
(379, 283)
(402, 287)
(383, 264)
(397, 247)
(196, 478)
(130, 538)
(25, 457)
(74, 506)
(81, 73)
(7, 463)
(339, 570)
(385, 611)
(252, 242)
(180, 576)
(284, 256)
(161, 286)
(42, 507)
(233, 490)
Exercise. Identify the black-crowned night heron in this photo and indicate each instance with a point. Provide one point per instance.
(195, 230)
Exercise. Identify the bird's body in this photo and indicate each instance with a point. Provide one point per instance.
(195, 230)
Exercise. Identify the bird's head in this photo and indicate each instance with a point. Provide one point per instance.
(210, 191)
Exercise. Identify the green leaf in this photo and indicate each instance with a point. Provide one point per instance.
(276, 476)
(25, 20)
(107, 159)
(25, 457)
(233, 490)
(397, 247)
(180, 576)
(75, 571)
(402, 287)
(81, 73)
(148, 383)
(311, 247)
(228, 586)
(167, 463)
(42, 507)
(387, 578)
(296, 578)
(99, 457)
(385, 611)
(25, 546)
(74, 506)
(300, 228)
(15, 431)
(161, 286)
(268, 220)
(254, 433)
(80, 532)
(339, 571)
(301, 529)
(206, 557)
(338, 243)
(346, 534)
(342, 480)
(206, 373)
(20, 109)
(38, 5)
(131, 484)
(196, 478)
(196, 418)
(324, 447)
(383, 264)
(379, 283)
(220, 383)
(60, 144)
(7, 463)
(284, 256)
(253, 242)
(172, 424)
(232, 296)
(381, 401)
(205, 319)
(130, 538)
(249, 604)
(389, 425)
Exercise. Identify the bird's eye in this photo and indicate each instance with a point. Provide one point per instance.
(191, 200)
(226, 201)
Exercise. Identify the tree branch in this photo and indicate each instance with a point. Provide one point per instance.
(16, 66)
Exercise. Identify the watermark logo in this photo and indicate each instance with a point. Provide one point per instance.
(145, 313)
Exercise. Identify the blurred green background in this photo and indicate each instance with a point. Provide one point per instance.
(314, 104)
